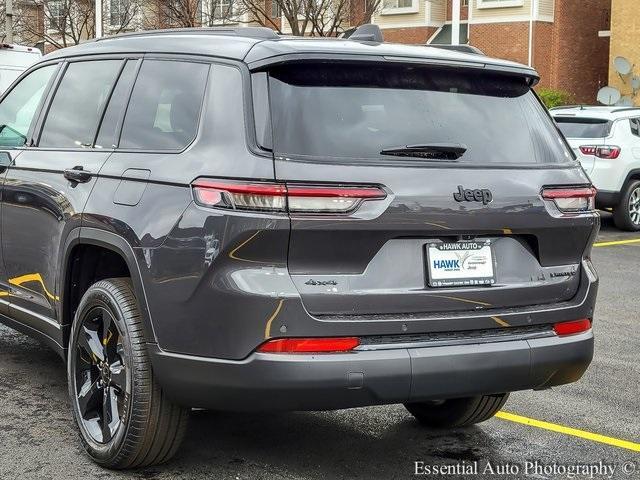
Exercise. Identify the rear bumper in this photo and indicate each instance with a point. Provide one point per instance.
(273, 382)
(606, 199)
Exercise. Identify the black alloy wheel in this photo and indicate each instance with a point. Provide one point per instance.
(102, 387)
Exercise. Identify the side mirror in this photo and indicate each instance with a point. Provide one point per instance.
(5, 161)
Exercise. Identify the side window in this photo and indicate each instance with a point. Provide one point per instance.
(117, 104)
(165, 105)
(635, 126)
(78, 103)
(19, 106)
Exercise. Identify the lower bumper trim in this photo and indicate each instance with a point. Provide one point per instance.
(281, 382)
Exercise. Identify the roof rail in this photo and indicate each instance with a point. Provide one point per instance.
(365, 33)
(567, 107)
(262, 33)
(625, 109)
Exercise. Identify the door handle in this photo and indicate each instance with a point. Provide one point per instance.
(77, 174)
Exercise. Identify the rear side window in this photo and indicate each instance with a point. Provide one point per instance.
(337, 112)
(635, 126)
(165, 105)
(574, 127)
(78, 104)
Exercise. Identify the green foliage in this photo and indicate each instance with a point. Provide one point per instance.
(554, 98)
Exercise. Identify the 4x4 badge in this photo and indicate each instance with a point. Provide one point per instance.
(483, 195)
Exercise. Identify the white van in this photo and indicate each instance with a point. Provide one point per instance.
(15, 59)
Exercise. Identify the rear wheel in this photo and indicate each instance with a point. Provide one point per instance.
(123, 416)
(457, 412)
(626, 215)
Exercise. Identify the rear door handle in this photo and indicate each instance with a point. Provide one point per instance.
(77, 174)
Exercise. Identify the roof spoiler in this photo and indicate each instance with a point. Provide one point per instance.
(365, 33)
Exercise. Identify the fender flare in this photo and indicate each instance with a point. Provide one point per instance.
(119, 245)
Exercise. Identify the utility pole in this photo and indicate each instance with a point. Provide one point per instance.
(8, 22)
(98, 17)
(531, 34)
(455, 22)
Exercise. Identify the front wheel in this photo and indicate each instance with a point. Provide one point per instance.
(124, 418)
(457, 412)
(626, 215)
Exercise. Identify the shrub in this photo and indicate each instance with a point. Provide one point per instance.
(554, 98)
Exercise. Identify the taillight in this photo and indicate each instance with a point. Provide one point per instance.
(319, 199)
(574, 199)
(309, 345)
(240, 196)
(278, 197)
(607, 152)
(572, 327)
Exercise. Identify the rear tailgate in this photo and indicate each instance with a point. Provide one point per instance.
(584, 132)
(402, 254)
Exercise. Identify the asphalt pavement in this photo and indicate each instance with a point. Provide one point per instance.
(593, 422)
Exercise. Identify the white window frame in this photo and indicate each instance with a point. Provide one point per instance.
(230, 20)
(500, 3)
(120, 3)
(51, 26)
(414, 8)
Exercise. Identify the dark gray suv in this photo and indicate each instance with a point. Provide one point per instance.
(229, 219)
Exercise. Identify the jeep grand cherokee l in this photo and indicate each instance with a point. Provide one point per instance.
(259, 223)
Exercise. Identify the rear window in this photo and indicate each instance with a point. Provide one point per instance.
(347, 112)
(573, 127)
(165, 105)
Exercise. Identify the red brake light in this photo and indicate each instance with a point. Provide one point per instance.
(309, 345)
(572, 327)
(279, 197)
(607, 152)
(574, 199)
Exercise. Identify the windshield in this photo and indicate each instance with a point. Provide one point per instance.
(584, 127)
(360, 111)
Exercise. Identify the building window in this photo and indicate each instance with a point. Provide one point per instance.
(276, 11)
(118, 12)
(500, 3)
(222, 9)
(57, 14)
(394, 7)
(398, 3)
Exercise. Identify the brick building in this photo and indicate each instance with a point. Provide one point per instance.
(565, 46)
(625, 42)
(560, 38)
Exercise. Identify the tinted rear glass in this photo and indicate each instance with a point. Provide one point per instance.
(583, 127)
(346, 111)
(165, 105)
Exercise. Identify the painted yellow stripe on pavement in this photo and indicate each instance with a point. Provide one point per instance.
(594, 437)
(616, 242)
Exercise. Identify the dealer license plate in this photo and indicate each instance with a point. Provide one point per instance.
(457, 264)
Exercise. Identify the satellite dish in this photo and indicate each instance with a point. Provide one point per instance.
(609, 95)
(635, 83)
(622, 65)
(625, 101)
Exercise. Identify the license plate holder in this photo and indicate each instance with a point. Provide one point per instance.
(460, 264)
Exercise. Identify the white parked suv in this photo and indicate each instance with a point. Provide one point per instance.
(606, 140)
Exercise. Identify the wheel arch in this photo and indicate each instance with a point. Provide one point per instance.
(631, 176)
(93, 237)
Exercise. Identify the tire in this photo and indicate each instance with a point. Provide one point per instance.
(626, 215)
(110, 378)
(457, 412)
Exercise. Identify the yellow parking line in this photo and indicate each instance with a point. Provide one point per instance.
(617, 242)
(594, 437)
